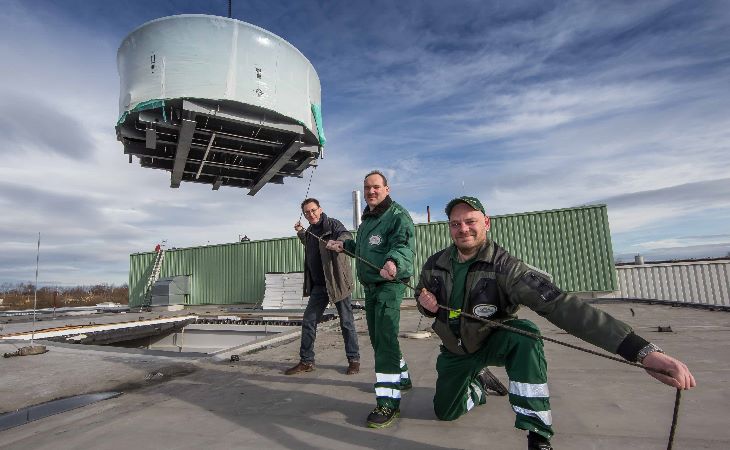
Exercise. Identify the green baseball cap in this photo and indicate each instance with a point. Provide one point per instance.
(471, 201)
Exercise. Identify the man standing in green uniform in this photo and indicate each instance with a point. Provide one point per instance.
(477, 276)
(385, 239)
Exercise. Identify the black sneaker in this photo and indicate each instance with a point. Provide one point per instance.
(382, 417)
(491, 383)
(538, 442)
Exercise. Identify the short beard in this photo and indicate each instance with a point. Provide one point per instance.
(469, 248)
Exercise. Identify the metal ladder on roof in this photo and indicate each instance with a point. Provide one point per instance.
(154, 276)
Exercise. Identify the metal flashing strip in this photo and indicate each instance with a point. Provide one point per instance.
(73, 330)
(225, 354)
(651, 301)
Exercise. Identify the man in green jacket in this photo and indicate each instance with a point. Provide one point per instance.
(477, 276)
(385, 239)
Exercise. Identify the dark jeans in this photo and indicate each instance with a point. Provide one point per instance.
(318, 301)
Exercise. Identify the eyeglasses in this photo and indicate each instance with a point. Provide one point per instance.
(310, 212)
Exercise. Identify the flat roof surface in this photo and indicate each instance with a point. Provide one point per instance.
(184, 402)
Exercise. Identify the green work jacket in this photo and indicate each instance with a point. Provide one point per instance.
(385, 233)
(497, 284)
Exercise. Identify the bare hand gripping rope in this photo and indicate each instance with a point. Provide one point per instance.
(492, 323)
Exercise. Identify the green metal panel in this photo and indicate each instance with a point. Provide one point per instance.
(220, 274)
(573, 245)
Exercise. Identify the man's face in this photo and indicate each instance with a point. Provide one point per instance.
(375, 191)
(468, 227)
(312, 212)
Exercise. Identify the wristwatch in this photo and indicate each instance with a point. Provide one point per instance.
(648, 348)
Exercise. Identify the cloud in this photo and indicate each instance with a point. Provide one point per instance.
(30, 124)
(688, 195)
(687, 241)
(528, 105)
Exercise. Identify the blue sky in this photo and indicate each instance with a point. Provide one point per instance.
(527, 105)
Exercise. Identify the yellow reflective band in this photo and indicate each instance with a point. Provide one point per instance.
(454, 314)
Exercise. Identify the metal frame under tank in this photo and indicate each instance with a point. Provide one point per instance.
(217, 143)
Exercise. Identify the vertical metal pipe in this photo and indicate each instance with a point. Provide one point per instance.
(428, 214)
(35, 288)
(356, 209)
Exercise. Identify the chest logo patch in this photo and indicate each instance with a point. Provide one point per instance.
(485, 310)
(375, 239)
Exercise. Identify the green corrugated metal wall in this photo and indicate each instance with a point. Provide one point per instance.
(573, 245)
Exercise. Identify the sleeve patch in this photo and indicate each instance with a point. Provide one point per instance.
(547, 291)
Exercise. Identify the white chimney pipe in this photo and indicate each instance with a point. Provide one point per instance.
(356, 209)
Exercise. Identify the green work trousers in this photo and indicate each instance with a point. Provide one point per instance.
(458, 389)
(382, 312)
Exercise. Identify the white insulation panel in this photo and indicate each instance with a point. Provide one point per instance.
(284, 291)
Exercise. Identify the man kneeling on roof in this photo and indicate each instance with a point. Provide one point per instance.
(477, 276)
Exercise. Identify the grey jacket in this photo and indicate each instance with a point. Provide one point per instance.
(337, 266)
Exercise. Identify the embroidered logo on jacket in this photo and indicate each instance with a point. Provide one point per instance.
(485, 310)
(375, 239)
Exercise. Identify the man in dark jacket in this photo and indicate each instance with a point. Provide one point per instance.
(385, 239)
(327, 277)
(477, 276)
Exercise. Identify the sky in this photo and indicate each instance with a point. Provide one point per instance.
(528, 105)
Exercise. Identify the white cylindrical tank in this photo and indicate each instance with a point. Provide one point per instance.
(218, 101)
(217, 58)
